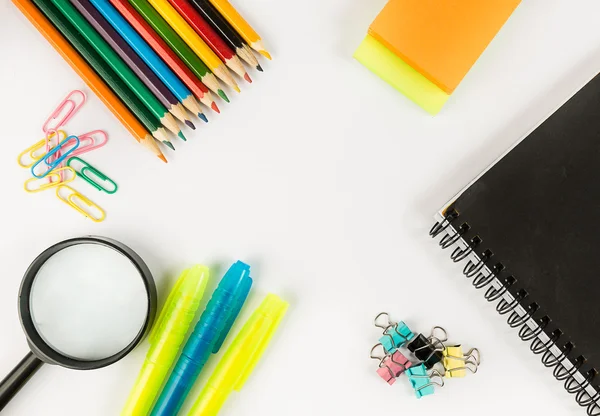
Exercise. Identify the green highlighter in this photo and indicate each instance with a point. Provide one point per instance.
(166, 338)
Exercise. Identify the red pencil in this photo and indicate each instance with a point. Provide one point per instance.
(160, 47)
(210, 36)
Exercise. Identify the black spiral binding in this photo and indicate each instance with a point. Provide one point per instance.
(482, 278)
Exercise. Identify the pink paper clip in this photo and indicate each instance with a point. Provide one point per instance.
(392, 366)
(92, 140)
(65, 111)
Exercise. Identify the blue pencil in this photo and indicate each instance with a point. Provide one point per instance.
(158, 66)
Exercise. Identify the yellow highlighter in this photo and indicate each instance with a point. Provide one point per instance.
(241, 357)
(166, 338)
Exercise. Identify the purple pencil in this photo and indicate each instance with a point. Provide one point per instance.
(133, 60)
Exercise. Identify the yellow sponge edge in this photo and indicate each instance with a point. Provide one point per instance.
(393, 70)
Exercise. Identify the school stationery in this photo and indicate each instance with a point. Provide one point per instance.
(173, 83)
(187, 55)
(241, 26)
(65, 111)
(84, 303)
(194, 41)
(133, 61)
(92, 175)
(423, 381)
(212, 39)
(227, 33)
(166, 337)
(119, 67)
(162, 49)
(440, 40)
(241, 357)
(207, 338)
(525, 229)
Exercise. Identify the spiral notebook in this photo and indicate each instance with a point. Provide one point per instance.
(527, 232)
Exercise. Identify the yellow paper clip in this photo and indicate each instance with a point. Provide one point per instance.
(40, 147)
(80, 203)
(457, 364)
(53, 179)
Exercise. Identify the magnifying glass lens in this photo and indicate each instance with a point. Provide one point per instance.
(88, 302)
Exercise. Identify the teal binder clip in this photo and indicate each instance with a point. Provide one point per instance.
(395, 334)
(422, 382)
(89, 169)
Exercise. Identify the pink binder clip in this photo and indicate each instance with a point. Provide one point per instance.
(65, 111)
(392, 366)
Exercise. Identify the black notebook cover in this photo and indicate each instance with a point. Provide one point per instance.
(535, 215)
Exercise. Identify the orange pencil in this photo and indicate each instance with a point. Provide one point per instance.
(241, 26)
(88, 75)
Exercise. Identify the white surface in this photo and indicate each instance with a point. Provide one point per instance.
(88, 302)
(326, 181)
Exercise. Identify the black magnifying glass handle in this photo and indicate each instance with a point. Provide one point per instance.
(17, 378)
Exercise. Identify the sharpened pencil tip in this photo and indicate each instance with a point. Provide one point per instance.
(163, 158)
(169, 144)
(237, 89)
(265, 54)
(180, 134)
(259, 68)
(190, 124)
(247, 78)
(223, 95)
(203, 117)
(215, 108)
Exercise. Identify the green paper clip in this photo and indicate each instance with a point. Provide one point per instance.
(92, 170)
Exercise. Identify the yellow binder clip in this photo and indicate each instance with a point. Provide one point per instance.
(32, 154)
(81, 203)
(51, 180)
(456, 363)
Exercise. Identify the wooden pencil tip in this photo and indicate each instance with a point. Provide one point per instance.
(265, 54)
(190, 124)
(259, 68)
(215, 108)
(163, 158)
(247, 78)
(223, 95)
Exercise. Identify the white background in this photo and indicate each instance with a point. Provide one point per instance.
(322, 177)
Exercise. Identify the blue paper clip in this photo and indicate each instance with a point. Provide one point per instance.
(58, 161)
(421, 381)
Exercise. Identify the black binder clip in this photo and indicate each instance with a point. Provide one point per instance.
(430, 350)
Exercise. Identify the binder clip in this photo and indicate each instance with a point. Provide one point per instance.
(429, 350)
(391, 366)
(395, 334)
(422, 382)
(456, 363)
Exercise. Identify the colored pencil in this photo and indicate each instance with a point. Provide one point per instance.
(212, 39)
(145, 52)
(194, 41)
(160, 47)
(102, 70)
(128, 55)
(228, 34)
(172, 39)
(241, 26)
(113, 60)
(62, 46)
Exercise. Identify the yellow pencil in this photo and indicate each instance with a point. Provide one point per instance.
(241, 26)
(194, 41)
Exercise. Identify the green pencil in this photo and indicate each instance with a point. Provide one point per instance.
(117, 64)
(150, 122)
(181, 48)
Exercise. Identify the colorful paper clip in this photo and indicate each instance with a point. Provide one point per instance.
(430, 349)
(65, 111)
(88, 169)
(78, 202)
(30, 155)
(395, 334)
(392, 366)
(53, 179)
(456, 363)
(48, 157)
(90, 141)
(422, 382)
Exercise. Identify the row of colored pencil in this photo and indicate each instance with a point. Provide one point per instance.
(150, 61)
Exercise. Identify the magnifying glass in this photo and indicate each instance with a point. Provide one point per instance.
(84, 303)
